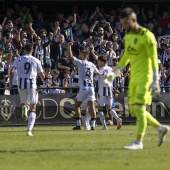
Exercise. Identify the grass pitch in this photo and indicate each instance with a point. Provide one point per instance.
(61, 148)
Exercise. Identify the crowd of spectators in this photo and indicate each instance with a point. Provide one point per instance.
(100, 32)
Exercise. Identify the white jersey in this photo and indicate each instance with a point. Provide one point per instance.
(104, 89)
(86, 72)
(27, 68)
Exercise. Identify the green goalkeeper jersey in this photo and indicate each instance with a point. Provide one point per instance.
(141, 52)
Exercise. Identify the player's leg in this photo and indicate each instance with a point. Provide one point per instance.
(78, 115)
(91, 106)
(33, 100)
(101, 103)
(138, 112)
(79, 99)
(113, 112)
(25, 107)
(86, 123)
(92, 113)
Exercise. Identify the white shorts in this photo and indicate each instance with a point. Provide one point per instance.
(103, 100)
(87, 93)
(28, 96)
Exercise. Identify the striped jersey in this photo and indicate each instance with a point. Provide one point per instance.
(46, 50)
(104, 89)
(86, 72)
(27, 68)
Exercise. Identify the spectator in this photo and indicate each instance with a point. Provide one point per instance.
(46, 84)
(46, 51)
(164, 20)
(39, 48)
(57, 50)
(64, 63)
(55, 78)
(67, 29)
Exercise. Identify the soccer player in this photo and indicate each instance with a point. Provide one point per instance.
(86, 71)
(141, 52)
(105, 96)
(27, 68)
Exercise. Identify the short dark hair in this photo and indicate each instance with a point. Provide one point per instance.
(102, 58)
(85, 53)
(43, 30)
(126, 13)
(28, 47)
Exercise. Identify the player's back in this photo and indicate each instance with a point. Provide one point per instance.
(86, 72)
(27, 68)
(137, 47)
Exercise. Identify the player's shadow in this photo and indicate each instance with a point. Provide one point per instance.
(58, 150)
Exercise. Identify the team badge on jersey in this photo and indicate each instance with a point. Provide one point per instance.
(135, 40)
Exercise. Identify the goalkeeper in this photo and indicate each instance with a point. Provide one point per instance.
(141, 52)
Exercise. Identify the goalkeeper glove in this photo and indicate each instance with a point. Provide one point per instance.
(155, 87)
(111, 76)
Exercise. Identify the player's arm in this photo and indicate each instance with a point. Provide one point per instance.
(70, 54)
(11, 75)
(151, 50)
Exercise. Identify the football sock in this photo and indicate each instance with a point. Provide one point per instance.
(102, 118)
(31, 121)
(114, 114)
(84, 119)
(93, 122)
(78, 121)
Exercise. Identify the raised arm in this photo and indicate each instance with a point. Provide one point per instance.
(70, 54)
(93, 26)
(110, 30)
(49, 41)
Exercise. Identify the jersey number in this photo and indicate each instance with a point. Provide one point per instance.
(27, 67)
(88, 72)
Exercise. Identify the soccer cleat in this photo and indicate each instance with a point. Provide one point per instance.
(29, 133)
(134, 146)
(77, 128)
(92, 128)
(24, 113)
(119, 123)
(162, 134)
(109, 122)
(87, 127)
(104, 128)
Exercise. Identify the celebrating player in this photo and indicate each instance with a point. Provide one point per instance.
(141, 52)
(86, 71)
(105, 96)
(27, 68)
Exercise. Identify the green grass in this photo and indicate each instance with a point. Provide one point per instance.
(61, 148)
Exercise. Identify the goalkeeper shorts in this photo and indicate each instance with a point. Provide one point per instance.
(139, 93)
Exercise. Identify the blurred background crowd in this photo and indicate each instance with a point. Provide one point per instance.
(97, 30)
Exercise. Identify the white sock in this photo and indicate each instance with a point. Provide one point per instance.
(102, 118)
(84, 119)
(31, 121)
(114, 114)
